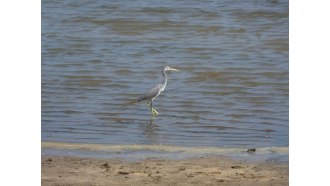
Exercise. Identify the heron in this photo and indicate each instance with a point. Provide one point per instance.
(152, 93)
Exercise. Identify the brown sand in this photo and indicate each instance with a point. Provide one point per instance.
(57, 170)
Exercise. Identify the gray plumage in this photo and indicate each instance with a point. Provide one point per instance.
(152, 93)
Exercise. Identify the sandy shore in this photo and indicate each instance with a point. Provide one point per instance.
(58, 170)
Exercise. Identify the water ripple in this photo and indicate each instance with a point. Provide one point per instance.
(232, 88)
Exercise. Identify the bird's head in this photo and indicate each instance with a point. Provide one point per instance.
(170, 69)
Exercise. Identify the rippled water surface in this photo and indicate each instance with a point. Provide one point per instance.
(231, 91)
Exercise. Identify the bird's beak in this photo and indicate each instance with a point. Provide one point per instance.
(173, 69)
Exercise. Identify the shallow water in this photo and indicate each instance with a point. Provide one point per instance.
(231, 91)
(142, 152)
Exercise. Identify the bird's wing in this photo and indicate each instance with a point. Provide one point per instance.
(151, 93)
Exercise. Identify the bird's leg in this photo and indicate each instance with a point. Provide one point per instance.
(148, 104)
(154, 112)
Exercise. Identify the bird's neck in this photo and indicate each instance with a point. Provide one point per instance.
(164, 78)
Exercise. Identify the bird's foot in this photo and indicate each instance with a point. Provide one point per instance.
(154, 112)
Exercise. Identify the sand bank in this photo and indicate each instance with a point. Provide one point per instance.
(65, 170)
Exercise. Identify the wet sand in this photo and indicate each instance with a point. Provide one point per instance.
(63, 170)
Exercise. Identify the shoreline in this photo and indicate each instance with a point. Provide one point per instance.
(106, 164)
(71, 170)
(137, 152)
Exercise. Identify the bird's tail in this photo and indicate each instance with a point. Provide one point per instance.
(140, 98)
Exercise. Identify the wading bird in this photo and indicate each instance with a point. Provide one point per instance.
(152, 93)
